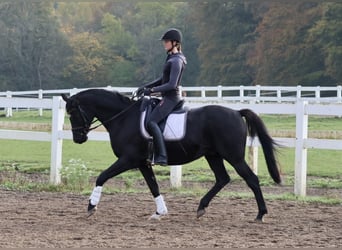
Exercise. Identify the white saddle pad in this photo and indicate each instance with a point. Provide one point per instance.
(174, 128)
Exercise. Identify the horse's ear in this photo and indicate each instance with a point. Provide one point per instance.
(65, 98)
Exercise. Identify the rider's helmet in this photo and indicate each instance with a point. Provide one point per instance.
(172, 35)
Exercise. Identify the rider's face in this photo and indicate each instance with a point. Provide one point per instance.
(167, 45)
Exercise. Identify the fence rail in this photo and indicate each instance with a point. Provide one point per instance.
(257, 94)
(232, 94)
(301, 142)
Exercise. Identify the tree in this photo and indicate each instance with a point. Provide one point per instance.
(119, 52)
(225, 31)
(287, 51)
(84, 62)
(33, 50)
(327, 35)
(147, 22)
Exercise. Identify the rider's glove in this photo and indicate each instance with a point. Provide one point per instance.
(140, 91)
(147, 91)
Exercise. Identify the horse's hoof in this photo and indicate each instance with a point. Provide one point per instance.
(155, 216)
(259, 219)
(91, 209)
(260, 216)
(200, 213)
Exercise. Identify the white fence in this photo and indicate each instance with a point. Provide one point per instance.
(302, 109)
(257, 94)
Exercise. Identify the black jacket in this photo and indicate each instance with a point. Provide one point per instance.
(168, 83)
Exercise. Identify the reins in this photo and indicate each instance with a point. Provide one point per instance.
(89, 128)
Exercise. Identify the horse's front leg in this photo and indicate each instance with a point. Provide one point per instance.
(116, 168)
(151, 181)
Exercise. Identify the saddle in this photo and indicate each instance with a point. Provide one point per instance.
(173, 126)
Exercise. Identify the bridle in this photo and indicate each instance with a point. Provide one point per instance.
(86, 128)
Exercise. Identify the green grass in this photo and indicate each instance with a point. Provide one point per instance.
(28, 116)
(282, 122)
(324, 166)
(31, 157)
(288, 122)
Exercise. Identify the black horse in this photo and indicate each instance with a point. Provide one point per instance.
(212, 131)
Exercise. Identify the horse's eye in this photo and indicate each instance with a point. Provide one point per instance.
(70, 111)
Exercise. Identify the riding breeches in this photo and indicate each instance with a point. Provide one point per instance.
(163, 109)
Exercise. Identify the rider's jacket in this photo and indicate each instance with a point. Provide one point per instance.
(168, 83)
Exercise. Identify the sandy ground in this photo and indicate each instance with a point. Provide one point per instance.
(32, 219)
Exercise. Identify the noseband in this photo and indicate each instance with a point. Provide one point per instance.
(86, 127)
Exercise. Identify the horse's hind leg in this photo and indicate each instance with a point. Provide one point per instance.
(222, 178)
(252, 181)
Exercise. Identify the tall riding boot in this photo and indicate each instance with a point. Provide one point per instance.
(160, 155)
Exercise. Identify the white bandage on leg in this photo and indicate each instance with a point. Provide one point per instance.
(161, 207)
(95, 196)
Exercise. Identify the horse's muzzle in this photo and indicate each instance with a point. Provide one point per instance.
(80, 138)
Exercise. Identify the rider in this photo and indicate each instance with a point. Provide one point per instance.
(168, 86)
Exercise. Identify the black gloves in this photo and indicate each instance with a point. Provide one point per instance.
(147, 91)
(143, 91)
(140, 91)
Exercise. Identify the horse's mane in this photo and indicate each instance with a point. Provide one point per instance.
(107, 96)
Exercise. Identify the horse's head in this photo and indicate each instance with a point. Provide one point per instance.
(83, 107)
(79, 118)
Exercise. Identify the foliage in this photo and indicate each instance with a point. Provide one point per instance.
(75, 175)
(85, 60)
(33, 50)
(225, 36)
(58, 44)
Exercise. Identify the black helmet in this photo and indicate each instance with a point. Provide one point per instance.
(172, 35)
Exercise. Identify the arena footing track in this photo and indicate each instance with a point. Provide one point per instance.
(32, 219)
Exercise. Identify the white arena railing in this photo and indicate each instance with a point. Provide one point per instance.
(301, 109)
(254, 94)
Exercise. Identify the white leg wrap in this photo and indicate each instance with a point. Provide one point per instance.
(95, 196)
(161, 207)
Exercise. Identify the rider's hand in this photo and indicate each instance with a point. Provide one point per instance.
(140, 91)
(147, 91)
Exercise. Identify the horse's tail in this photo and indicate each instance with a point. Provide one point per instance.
(257, 127)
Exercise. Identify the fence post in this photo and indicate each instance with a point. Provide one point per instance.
(279, 95)
(253, 151)
(257, 93)
(301, 150)
(242, 94)
(9, 112)
(176, 176)
(219, 91)
(253, 158)
(318, 94)
(58, 113)
(40, 96)
(299, 92)
(339, 93)
(203, 92)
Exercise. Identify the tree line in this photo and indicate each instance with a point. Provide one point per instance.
(51, 45)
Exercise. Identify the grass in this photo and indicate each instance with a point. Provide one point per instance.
(324, 166)
(288, 122)
(28, 116)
